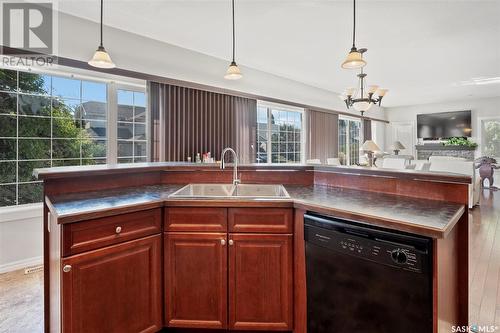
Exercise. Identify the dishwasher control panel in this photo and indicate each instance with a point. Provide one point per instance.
(371, 248)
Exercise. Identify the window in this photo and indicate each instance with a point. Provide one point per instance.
(349, 138)
(48, 120)
(279, 134)
(490, 137)
(132, 142)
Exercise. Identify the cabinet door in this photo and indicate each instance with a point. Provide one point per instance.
(260, 282)
(196, 280)
(265, 220)
(114, 289)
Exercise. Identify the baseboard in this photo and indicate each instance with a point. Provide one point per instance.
(20, 264)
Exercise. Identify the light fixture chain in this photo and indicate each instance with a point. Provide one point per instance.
(234, 41)
(101, 21)
(354, 26)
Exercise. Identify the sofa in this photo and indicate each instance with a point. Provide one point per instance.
(459, 166)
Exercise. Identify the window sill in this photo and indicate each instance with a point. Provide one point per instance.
(21, 212)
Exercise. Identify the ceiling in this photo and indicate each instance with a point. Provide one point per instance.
(423, 51)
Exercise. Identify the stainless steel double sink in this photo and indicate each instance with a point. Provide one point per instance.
(227, 191)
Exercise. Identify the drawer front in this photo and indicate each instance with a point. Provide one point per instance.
(269, 220)
(93, 234)
(195, 219)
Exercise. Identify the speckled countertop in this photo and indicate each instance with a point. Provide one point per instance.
(421, 216)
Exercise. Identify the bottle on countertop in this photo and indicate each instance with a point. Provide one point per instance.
(198, 158)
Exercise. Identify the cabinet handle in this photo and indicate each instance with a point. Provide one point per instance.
(118, 230)
(67, 268)
(222, 242)
(231, 242)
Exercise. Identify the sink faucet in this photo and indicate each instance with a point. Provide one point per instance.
(236, 181)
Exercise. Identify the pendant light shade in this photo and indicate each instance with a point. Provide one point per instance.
(101, 58)
(354, 60)
(233, 72)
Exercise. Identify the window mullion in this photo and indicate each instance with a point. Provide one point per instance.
(269, 137)
(112, 123)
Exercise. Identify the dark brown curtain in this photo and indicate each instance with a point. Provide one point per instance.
(186, 121)
(367, 129)
(323, 131)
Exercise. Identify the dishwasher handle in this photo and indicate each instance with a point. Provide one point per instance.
(368, 232)
(338, 225)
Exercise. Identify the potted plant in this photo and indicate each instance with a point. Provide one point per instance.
(459, 141)
(486, 166)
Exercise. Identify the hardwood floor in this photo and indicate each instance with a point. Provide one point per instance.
(484, 258)
(21, 295)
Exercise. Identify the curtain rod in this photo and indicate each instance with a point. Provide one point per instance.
(187, 84)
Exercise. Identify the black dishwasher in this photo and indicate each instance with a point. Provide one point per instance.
(366, 279)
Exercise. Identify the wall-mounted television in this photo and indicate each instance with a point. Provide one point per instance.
(443, 125)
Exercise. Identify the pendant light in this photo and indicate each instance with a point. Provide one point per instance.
(233, 72)
(101, 58)
(354, 58)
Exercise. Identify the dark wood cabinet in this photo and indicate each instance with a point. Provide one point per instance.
(196, 280)
(113, 289)
(204, 219)
(262, 220)
(97, 233)
(260, 282)
(254, 271)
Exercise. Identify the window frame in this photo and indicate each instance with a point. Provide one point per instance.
(348, 136)
(133, 88)
(481, 134)
(288, 108)
(112, 85)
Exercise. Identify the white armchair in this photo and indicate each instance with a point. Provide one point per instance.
(463, 167)
(393, 163)
(422, 165)
(313, 161)
(333, 161)
(435, 158)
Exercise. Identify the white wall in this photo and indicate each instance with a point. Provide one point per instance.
(379, 134)
(487, 107)
(21, 241)
(78, 40)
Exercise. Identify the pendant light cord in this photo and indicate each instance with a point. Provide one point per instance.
(101, 21)
(232, 3)
(353, 26)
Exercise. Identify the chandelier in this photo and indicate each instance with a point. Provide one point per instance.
(363, 98)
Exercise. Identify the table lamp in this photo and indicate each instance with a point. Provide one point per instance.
(396, 147)
(370, 147)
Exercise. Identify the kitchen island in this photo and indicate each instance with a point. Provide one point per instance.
(104, 220)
